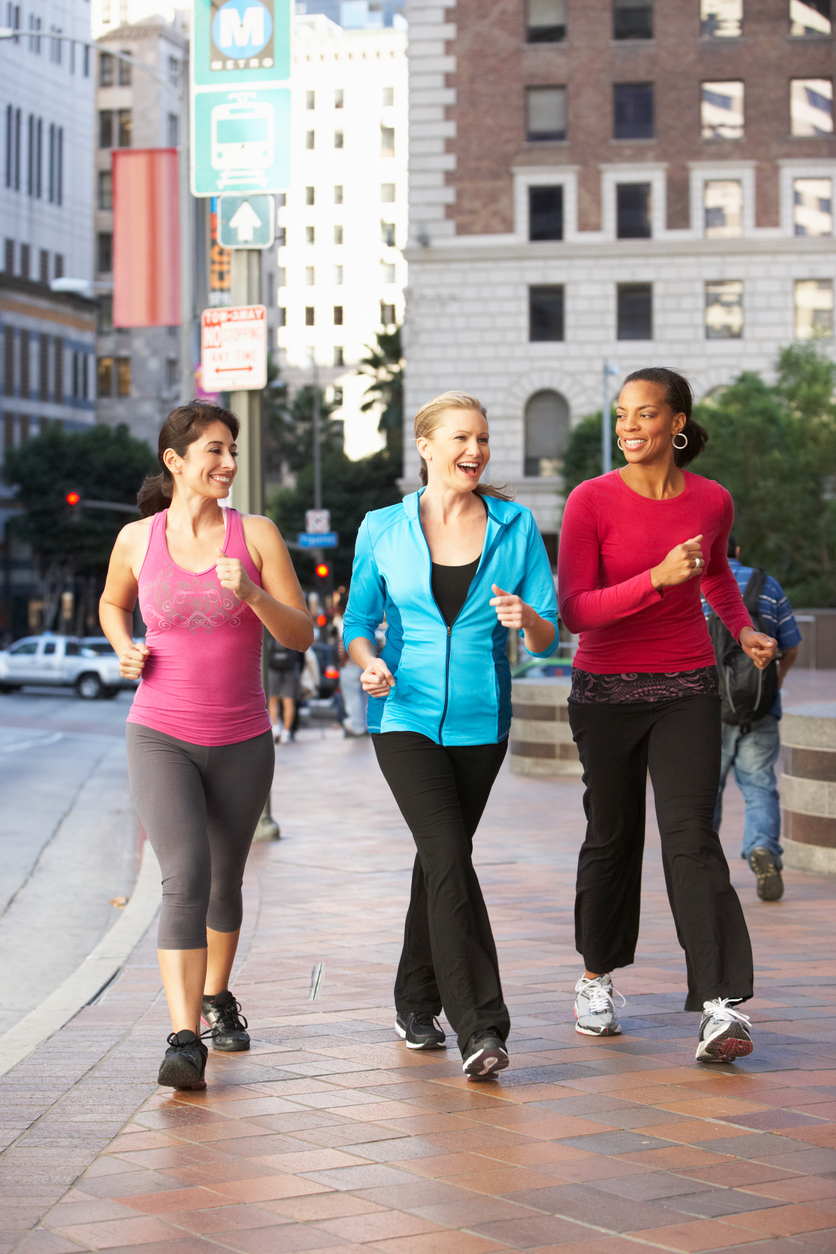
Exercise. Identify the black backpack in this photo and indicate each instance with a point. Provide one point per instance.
(280, 658)
(748, 693)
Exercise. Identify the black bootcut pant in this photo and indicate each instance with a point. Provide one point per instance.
(679, 741)
(449, 956)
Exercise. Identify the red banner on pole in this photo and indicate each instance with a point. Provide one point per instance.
(146, 238)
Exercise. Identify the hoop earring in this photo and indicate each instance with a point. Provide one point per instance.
(684, 437)
(620, 445)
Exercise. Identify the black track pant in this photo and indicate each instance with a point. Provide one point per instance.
(199, 805)
(679, 742)
(449, 956)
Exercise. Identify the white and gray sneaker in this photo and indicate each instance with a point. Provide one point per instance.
(594, 1007)
(724, 1032)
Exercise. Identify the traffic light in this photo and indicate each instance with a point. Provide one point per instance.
(73, 500)
(323, 570)
(325, 589)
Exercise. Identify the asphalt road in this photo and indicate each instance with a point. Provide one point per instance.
(68, 837)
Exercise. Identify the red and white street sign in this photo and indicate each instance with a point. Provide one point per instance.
(233, 348)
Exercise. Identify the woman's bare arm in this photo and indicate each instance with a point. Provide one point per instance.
(119, 597)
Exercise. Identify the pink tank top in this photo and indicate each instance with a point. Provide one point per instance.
(202, 680)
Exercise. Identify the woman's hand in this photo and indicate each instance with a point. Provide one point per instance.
(681, 564)
(511, 610)
(132, 659)
(377, 680)
(231, 575)
(760, 648)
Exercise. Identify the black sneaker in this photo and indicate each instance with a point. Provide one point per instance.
(184, 1062)
(484, 1055)
(227, 1028)
(420, 1031)
(770, 883)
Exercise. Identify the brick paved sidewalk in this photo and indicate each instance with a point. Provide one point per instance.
(330, 1136)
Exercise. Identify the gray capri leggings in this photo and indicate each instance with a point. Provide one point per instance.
(199, 805)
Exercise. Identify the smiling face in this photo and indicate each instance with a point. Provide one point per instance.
(457, 451)
(646, 424)
(208, 467)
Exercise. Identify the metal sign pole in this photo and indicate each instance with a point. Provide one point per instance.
(606, 432)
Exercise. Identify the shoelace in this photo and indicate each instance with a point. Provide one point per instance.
(175, 1044)
(230, 1017)
(722, 1010)
(426, 1022)
(600, 999)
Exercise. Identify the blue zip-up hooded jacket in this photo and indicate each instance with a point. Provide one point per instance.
(451, 684)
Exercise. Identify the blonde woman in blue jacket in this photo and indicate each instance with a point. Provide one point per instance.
(452, 569)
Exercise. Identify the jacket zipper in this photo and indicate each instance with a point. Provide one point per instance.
(446, 682)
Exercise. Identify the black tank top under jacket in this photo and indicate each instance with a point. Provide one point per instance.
(450, 585)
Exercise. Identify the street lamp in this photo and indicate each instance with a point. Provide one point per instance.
(610, 371)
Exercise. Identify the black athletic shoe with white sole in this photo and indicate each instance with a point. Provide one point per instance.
(724, 1033)
(484, 1055)
(770, 880)
(420, 1031)
(184, 1062)
(227, 1026)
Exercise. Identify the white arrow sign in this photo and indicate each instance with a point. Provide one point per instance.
(245, 221)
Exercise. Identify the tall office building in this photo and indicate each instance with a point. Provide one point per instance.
(627, 181)
(342, 225)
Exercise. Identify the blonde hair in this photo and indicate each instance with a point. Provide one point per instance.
(428, 420)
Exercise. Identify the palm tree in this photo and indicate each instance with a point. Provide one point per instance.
(385, 365)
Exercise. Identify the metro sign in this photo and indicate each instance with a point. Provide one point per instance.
(233, 348)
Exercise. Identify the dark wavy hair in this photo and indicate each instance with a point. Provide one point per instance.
(679, 396)
(181, 428)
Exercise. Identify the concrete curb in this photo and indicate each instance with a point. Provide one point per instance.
(91, 977)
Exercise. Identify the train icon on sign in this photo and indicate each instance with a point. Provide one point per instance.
(243, 141)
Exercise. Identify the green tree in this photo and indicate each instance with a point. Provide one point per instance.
(103, 463)
(288, 427)
(349, 490)
(385, 365)
(582, 459)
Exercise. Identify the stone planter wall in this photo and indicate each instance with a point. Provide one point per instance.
(808, 787)
(541, 738)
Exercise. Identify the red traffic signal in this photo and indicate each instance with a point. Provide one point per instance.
(73, 498)
(322, 570)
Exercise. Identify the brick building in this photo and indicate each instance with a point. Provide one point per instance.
(633, 181)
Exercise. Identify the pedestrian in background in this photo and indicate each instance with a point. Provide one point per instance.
(751, 716)
(635, 545)
(451, 568)
(284, 674)
(200, 748)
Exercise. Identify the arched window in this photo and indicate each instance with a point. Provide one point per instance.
(546, 433)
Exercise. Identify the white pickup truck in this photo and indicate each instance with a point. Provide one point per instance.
(89, 665)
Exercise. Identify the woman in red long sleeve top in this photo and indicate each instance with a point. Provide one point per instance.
(636, 548)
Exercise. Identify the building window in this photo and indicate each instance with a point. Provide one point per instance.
(723, 206)
(546, 21)
(635, 311)
(24, 338)
(339, 98)
(546, 433)
(387, 193)
(104, 376)
(59, 265)
(388, 97)
(104, 315)
(105, 128)
(387, 272)
(339, 359)
(106, 68)
(632, 19)
(810, 17)
(310, 277)
(43, 368)
(13, 147)
(310, 138)
(281, 236)
(77, 358)
(174, 71)
(387, 141)
(724, 310)
(86, 62)
(545, 114)
(44, 266)
(813, 309)
(173, 130)
(338, 194)
(34, 39)
(309, 316)
(812, 206)
(123, 376)
(338, 276)
(339, 139)
(104, 252)
(25, 261)
(282, 316)
(124, 128)
(338, 234)
(125, 68)
(545, 313)
(632, 202)
(105, 189)
(545, 213)
(387, 234)
(8, 361)
(811, 106)
(310, 196)
(338, 315)
(310, 99)
(721, 19)
(310, 235)
(59, 369)
(387, 314)
(9, 256)
(633, 110)
(172, 372)
(721, 111)
(56, 164)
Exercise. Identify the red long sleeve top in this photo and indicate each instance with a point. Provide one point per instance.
(610, 540)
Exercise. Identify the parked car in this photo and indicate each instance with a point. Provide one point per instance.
(90, 665)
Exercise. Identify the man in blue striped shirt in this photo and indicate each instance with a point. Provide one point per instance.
(753, 752)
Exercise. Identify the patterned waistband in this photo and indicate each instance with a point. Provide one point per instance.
(642, 686)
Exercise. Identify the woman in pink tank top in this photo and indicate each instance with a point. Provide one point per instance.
(200, 748)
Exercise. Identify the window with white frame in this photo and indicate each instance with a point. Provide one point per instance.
(724, 310)
(811, 106)
(721, 111)
(810, 17)
(546, 425)
(721, 19)
(813, 309)
(812, 206)
(723, 208)
(545, 212)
